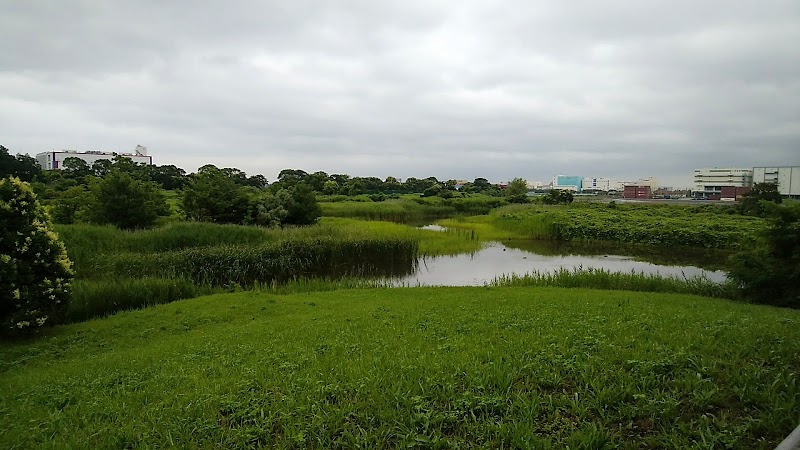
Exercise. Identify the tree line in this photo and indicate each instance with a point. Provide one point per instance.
(131, 195)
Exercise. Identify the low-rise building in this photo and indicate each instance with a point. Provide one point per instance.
(572, 183)
(637, 192)
(601, 184)
(54, 160)
(708, 183)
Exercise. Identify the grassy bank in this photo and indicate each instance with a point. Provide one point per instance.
(667, 225)
(425, 368)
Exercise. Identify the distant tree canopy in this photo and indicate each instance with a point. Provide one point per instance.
(558, 196)
(23, 167)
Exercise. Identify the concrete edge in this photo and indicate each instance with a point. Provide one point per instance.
(792, 442)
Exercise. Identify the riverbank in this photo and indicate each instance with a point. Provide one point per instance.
(424, 367)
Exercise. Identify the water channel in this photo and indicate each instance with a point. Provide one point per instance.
(522, 256)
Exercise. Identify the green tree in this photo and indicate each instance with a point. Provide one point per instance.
(169, 177)
(101, 167)
(558, 196)
(23, 167)
(212, 196)
(517, 191)
(268, 209)
(752, 203)
(35, 272)
(77, 169)
(330, 188)
(304, 209)
(126, 202)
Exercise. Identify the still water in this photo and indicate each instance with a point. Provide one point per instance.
(522, 257)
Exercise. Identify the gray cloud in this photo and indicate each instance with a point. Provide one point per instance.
(450, 89)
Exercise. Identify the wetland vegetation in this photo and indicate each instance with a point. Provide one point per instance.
(288, 336)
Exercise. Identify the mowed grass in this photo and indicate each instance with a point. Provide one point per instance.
(417, 367)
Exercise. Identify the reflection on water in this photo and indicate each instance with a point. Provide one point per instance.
(709, 259)
(522, 257)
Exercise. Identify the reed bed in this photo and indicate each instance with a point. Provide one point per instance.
(278, 261)
(665, 225)
(398, 210)
(603, 279)
(97, 298)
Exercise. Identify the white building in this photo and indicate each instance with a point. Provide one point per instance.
(601, 184)
(54, 160)
(787, 178)
(709, 182)
(649, 181)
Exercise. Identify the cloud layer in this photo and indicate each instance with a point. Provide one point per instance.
(417, 88)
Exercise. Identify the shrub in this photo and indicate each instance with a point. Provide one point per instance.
(35, 272)
(770, 273)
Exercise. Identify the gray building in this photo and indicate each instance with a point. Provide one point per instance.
(787, 178)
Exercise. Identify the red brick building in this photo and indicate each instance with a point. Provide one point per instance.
(640, 192)
(731, 193)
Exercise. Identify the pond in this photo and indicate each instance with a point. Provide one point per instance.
(522, 256)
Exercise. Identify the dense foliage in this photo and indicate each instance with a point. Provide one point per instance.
(23, 167)
(557, 196)
(122, 200)
(756, 201)
(644, 224)
(213, 196)
(770, 272)
(517, 191)
(35, 272)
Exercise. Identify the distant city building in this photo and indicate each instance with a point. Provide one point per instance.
(787, 178)
(568, 182)
(600, 184)
(670, 193)
(54, 160)
(649, 181)
(708, 183)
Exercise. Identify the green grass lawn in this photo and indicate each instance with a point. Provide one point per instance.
(420, 367)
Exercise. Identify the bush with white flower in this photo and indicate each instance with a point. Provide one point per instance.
(35, 272)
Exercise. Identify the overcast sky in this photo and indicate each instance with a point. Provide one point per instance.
(413, 88)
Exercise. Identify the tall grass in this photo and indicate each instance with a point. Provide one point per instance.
(602, 279)
(95, 298)
(84, 242)
(399, 210)
(278, 261)
(412, 209)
